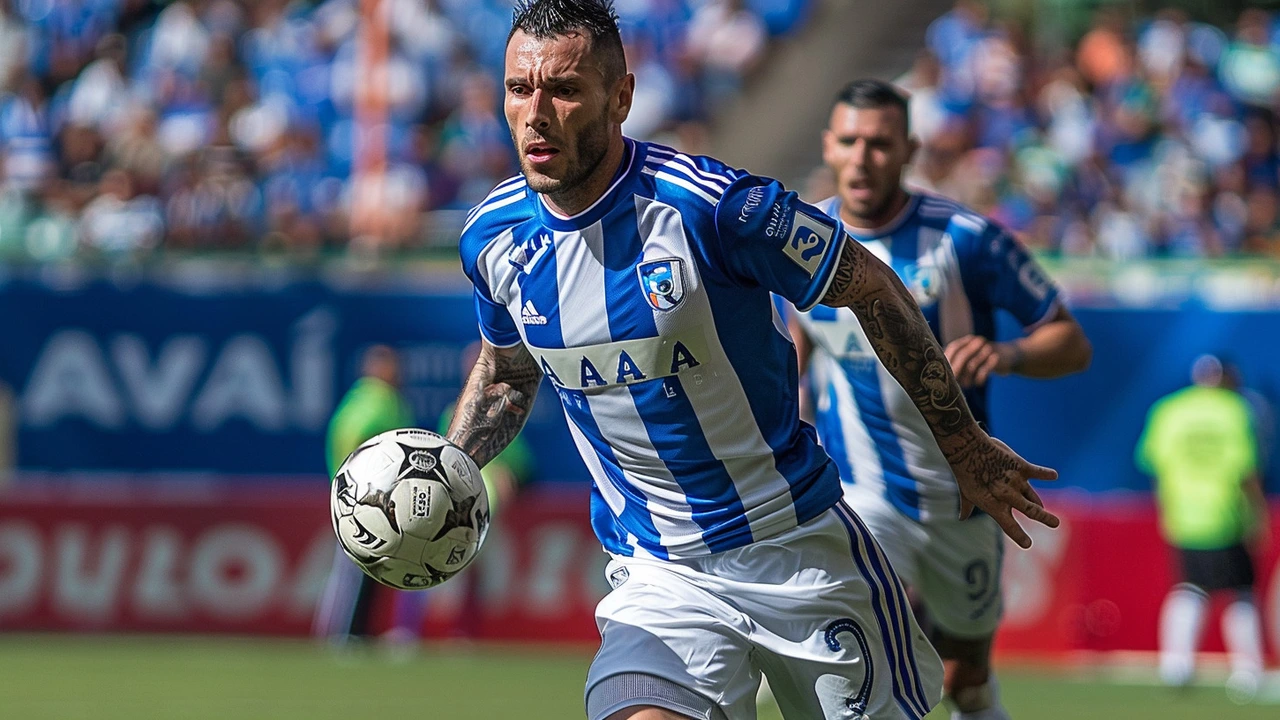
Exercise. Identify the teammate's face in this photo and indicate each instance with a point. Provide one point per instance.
(868, 149)
(561, 111)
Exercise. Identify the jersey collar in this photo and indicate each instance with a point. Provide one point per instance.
(555, 221)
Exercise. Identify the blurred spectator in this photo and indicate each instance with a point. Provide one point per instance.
(726, 41)
(1104, 54)
(653, 105)
(119, 221)
(1200, 445)
(475, 143)
(1250, 68)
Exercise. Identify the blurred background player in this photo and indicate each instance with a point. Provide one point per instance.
(961, 268)
(503, 476)
(372, 406)
(1199, 443)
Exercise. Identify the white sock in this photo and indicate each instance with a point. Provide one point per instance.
(1181, 619)
(1242, 631)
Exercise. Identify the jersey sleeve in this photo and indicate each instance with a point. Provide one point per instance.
(769, 238)
(1012, 279)
(496, 324)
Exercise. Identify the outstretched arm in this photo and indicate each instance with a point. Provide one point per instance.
(990, 475)
(495, 401)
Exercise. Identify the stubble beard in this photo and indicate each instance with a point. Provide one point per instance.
(876, 213)
(592, 146)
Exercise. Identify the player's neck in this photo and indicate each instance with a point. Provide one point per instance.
(872, 225)
(586, 193)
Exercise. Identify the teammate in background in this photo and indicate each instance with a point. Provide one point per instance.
(960, 267)
(637, 280)
(1199, 445)
(372, 406)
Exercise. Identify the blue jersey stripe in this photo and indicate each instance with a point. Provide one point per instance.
(813, 491)
(607, 528)
(898, 611)
(762, 357)
(630, 315)
(891, 632)
(900, 486)
(635, 513)
(717, 509)
(831, 431)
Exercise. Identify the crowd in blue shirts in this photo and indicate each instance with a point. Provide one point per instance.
(1149, 136)
(128, 126)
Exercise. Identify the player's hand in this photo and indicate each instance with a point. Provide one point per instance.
(974, 358)
(995, 478)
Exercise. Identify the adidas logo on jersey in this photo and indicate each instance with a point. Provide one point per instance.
(529, 315)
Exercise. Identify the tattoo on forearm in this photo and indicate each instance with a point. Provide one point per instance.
(494, 403)
(902, 339)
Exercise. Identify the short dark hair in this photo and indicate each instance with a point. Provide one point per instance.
(869, 93)
(550, 18)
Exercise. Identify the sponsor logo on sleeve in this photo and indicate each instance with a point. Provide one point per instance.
(754, 197)
(808, 242)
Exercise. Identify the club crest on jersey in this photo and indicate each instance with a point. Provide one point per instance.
(924, 282)
(662, 282)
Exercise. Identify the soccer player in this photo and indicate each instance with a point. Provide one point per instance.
(960, 267)
(637, 280)
(1199, 443)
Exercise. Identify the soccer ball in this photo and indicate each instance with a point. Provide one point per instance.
(410, 508)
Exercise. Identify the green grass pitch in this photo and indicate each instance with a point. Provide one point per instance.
(66, 677)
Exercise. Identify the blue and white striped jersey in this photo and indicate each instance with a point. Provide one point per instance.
(960, 267)
(650, 313)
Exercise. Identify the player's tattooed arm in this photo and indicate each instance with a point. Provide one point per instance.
(990, 475)
(901, 337)
(495, 402)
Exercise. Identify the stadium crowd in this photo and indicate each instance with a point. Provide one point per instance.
(1150, 137)
(132, 125)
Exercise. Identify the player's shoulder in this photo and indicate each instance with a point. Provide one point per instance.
(696, 182)
(943, 212)
(509, 204)
(965, 226)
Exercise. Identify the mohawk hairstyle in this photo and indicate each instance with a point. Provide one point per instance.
(597, 18)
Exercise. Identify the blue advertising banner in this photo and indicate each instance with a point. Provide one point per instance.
(195, 374)
(1087, 425)
(199, 375)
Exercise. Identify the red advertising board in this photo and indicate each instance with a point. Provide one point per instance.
(253, 558)
(171, 557)
(1097, 582)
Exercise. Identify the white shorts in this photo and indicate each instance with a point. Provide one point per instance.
(953, 565)
(816, 609)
